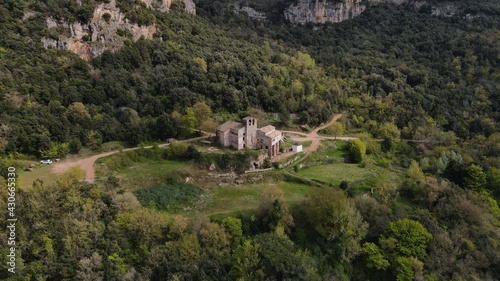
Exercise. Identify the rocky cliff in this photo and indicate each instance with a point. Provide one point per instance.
(322, 11)
(107, 29)
(164, 5)
(252, 13)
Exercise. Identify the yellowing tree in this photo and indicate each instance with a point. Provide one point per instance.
(188, 122)
(357, 150)
(202, 112)
(336, 129)
(201, 62)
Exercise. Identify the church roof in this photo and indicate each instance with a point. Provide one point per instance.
(229, 125)
(273, 134)
(267, 129)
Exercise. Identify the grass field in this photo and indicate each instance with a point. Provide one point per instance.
(246, 197)
(41, 172)
(336, 173)
(328, 166)
(226, 198)
(219, 199)
(135, 175)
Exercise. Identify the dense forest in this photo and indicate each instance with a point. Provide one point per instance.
(426, 86)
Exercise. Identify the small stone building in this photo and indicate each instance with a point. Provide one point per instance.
(297, 148)
(247, 135)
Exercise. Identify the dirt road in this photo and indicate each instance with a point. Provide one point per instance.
(313, 137)
(87, 164)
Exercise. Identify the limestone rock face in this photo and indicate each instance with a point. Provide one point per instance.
(106, 30)
(252, 13)
(446, 10)
(162, 6)
(322, 11)
(190, 7)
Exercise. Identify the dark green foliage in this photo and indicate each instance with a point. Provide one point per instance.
(170, 197)
(74, 146)
(277, 258)
(238, 162)
(192, 152)
(357, 150)
(406, 238)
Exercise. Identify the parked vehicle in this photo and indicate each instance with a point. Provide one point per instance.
(46, 161)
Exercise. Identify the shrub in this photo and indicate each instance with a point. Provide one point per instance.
(357, 151)
(169, 197)
(74, 146)
(106, 17)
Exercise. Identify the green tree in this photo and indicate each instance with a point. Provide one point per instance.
(278, 258)
(336, 219)
(166, 126)
(404, 269)
(374, 257)
(273, 210)
(414, 172)
(74, 146)
(336, 129)
(201, 62)
(214, 240)
(94, 140)
(357, 150)
(475, 177)
(245, 262)
(389, 130)
(188, 122)
(202, 112)
(90, 269)
(493, 180)
(234, 230)
(407, 238)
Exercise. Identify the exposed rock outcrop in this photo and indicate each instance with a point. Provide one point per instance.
(446, 10)
(322, 11)
(107, 29)
(162, 6)
(190, 7)
(252, 13)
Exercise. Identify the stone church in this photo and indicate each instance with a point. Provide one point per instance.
(247, 135)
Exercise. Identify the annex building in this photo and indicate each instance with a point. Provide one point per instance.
(247, 135)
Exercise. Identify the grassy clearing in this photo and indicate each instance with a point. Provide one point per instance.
(151, 169)
(247, 197)
(40, 172)
(137, 175)
(336, 173)
(327, 165)
(330, 151)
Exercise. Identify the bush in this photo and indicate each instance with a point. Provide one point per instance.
(75, 146)
(357, 151)
(192, 152)
(238, 162)
(106, 17)
(169, 197)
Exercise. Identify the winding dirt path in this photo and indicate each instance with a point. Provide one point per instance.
(313, 137)
(87, 164)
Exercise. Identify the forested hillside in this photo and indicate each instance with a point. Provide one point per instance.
(414, 198)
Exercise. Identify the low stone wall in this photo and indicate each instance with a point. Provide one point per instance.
(258, 170)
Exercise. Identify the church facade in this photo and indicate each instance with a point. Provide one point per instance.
(247, 135)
